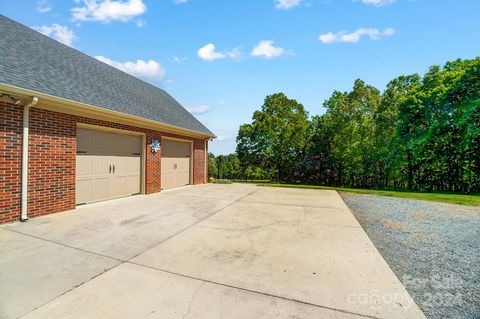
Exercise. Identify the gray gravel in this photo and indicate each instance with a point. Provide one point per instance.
(433, 248)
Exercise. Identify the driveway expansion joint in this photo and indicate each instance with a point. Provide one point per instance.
(64, 245)
(292, 205)
(69, 290)
(253, 291)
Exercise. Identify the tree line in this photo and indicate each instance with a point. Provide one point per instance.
(420, 133)
(229, 167)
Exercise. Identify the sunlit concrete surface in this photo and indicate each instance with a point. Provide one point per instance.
(211, 251)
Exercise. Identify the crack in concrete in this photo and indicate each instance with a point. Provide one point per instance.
(193, 298)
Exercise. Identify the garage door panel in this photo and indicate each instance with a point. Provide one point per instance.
(108, 165)
(132, 170)
(133, 165)
(176, 157)
(105, 143)
(92, 176)
(84, 167)
(119, 165)
(99, 189)
(167, 165)
(117, 183)
(127, 175)
(84, 191)
(167, 180)
(99, 165)
(181, 178)
(85, 142)
(117, 187)
(131, 145)
(132, 182)
(183, 164)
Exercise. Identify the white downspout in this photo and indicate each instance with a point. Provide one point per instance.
(26, 116)
(205, 174)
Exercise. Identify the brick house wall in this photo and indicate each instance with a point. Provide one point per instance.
(52, 160)
(10, 162)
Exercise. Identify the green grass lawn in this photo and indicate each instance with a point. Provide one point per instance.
(450, 198)
(250, 181)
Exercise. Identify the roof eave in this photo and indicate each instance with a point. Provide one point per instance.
(67, 102)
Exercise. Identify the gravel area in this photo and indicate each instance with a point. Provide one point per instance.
(433, 248)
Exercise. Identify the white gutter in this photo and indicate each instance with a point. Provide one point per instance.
(161, 126)
(26, 116)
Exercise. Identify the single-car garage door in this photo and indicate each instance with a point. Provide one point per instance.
(108, 165)
(175, 163)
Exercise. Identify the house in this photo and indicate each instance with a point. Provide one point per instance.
(74, 130)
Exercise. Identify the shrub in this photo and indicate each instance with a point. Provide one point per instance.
(220, 181)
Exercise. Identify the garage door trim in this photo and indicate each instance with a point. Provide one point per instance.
(191, 152)
(124, 132)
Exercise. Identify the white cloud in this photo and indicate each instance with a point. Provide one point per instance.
(222, 138)
(209, 53)
(179, 1)
(374, 34)
(376, 3)
(200, 109)
(58, 32)
(179, 60)
(141, 23)
(286, 4)
(267, 50)
(43, 6)
(235, 53)
(147, 70)
(108, 10)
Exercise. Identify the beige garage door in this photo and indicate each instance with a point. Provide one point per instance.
(175, 163)
(108, 165)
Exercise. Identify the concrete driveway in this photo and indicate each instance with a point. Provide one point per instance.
(210, 251)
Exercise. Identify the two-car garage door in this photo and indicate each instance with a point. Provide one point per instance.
(108, 165)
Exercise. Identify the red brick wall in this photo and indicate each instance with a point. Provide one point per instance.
(153, 167)
(198, 161)
(10, 162)
(52, 161)
(51, 167)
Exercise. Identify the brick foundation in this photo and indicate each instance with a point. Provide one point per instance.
(52, 160)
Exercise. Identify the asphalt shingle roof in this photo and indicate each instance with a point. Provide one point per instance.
(32, 61)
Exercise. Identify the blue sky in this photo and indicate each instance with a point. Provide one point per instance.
(220, 58)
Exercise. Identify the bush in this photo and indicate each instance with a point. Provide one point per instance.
(220, 181)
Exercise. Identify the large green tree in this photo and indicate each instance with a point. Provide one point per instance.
(391, 150)
(276, 138)
(353, 145)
